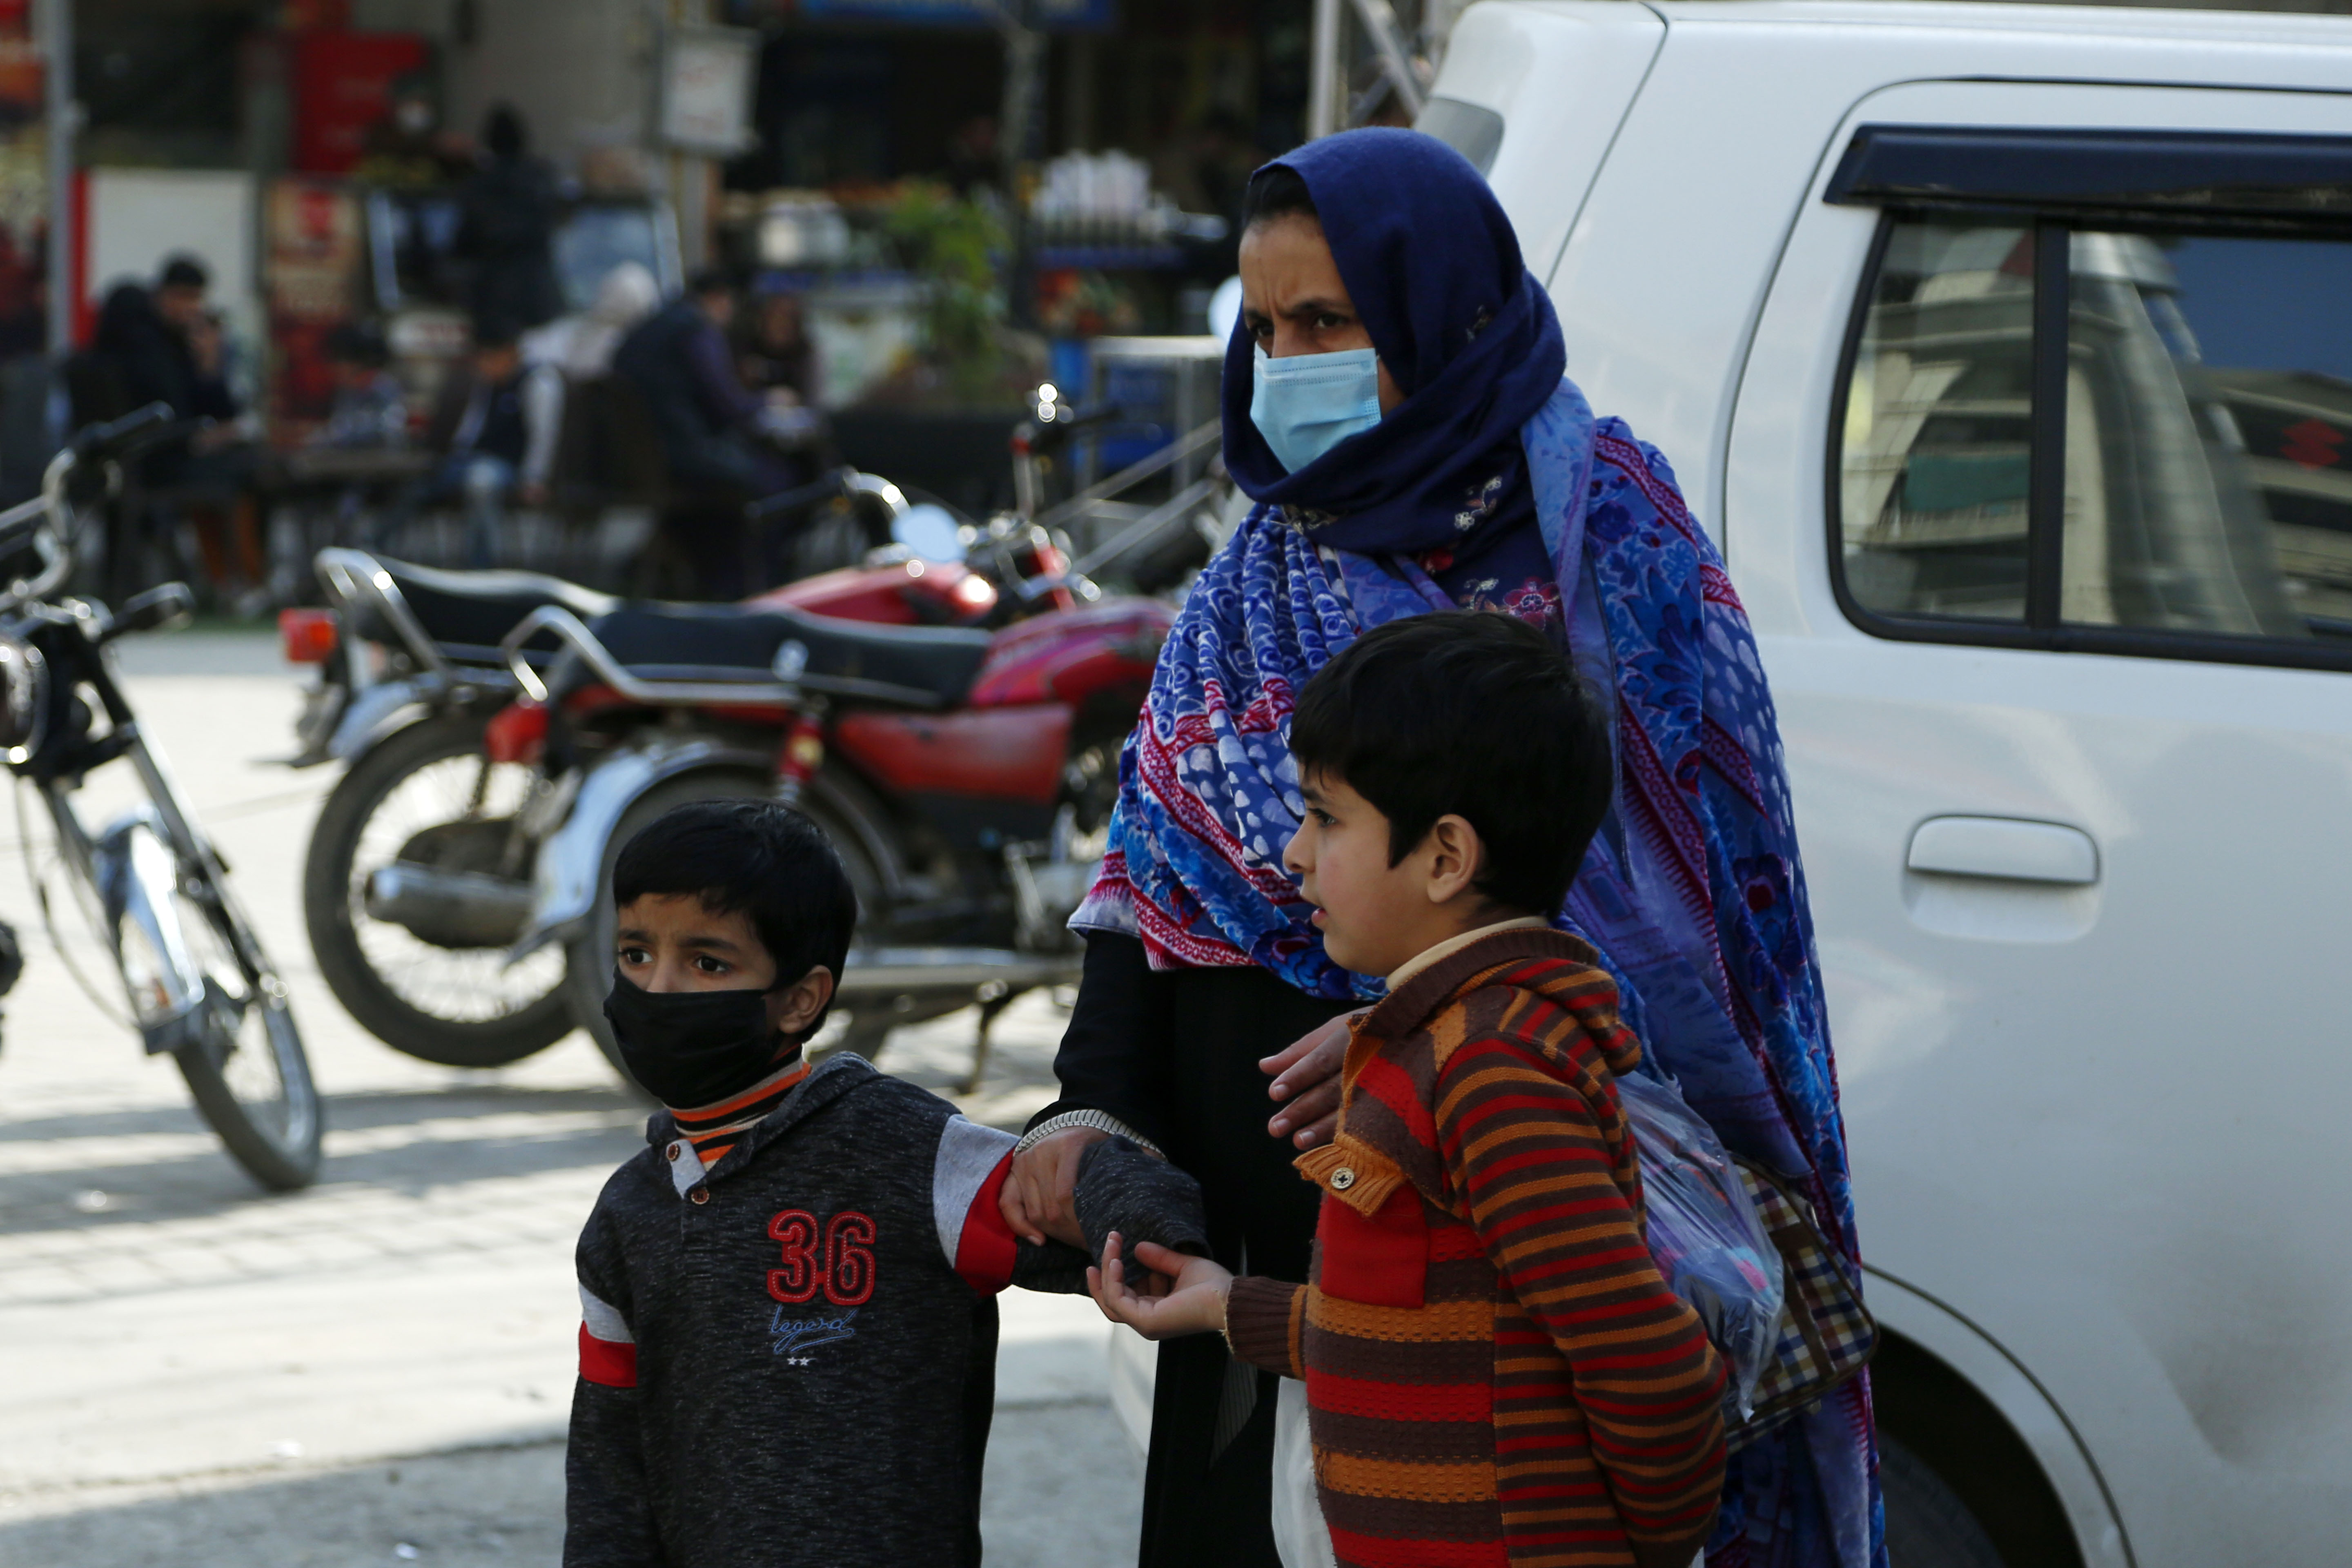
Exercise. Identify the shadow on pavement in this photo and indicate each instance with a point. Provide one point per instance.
(470, 1510)
(162, 1161)
(1063, 1490)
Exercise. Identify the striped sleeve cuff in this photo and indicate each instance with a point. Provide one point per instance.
(1263, 1318)
(967, 1174)
(608, 1350)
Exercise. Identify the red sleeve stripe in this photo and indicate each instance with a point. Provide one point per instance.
(967, 1172)
(606, 1362)
(986, 1245)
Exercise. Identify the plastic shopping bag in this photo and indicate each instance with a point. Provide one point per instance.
(1705, 1234)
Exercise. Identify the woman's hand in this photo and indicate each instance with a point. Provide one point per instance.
(1307, 1081)
(1040, 1196)
(1184, 1295)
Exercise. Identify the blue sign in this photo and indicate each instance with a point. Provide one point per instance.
(1052, 16)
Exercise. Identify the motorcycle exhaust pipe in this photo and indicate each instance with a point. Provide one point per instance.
(449, 909)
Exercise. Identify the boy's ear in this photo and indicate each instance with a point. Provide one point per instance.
(795, 1007)
(1456, 853)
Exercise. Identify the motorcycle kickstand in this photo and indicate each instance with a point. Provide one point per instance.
(996, 997)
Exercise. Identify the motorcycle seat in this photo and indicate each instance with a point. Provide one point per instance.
(467, 612)
(911, 666)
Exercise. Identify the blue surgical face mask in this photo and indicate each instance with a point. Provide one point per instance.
(1305, 404)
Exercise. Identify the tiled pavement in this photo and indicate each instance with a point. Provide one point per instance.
(190, 1359)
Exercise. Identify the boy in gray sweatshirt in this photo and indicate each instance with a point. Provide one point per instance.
(787, 1352)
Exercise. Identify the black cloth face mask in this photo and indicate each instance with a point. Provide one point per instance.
(690, 1048)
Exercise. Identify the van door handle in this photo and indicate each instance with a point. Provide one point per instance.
(2006, 848)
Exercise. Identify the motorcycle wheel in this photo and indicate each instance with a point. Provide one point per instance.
(589, 956)
(460, 1007)
(247, 1073)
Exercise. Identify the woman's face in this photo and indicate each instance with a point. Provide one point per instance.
(1292, 300)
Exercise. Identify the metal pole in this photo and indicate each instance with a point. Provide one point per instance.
(1324, 82)
(55, 21)
(1380, 21)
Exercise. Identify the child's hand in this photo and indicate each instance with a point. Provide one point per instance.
(1191, 1301)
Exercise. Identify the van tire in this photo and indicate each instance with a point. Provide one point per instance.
(1927, 1525)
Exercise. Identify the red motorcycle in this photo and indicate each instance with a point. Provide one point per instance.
(965, 777)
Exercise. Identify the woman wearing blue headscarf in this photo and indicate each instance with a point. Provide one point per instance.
(1395, 401)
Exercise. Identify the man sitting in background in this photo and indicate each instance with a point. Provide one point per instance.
(165, 346)
(495, 429)
(717, 436)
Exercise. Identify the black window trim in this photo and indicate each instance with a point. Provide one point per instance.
(2040, 629)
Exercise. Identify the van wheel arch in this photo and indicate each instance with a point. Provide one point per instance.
(1941, 1425)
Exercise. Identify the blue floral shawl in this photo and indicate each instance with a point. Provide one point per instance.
(1692, 892)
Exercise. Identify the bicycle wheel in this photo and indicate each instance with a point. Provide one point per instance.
(414, 797)
(247, 1069)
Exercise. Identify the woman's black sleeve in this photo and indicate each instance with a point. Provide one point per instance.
(1114, 1056)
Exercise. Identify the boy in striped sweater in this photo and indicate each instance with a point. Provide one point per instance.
(1496, 1375)
(788, 1345)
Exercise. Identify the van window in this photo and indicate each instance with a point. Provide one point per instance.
(2203, 412)
(1938, 418)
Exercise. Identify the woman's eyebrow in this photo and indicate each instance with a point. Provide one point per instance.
(1298, 308)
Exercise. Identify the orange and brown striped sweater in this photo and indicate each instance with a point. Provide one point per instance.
(1496, 1373)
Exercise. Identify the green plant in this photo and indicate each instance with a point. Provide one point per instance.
(957, 248)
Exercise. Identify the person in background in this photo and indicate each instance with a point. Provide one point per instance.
(162, 345)
(369, 410)
(408, 146)
(581, 345)
(777, 356)
(496, 430)
(720, 438)
(165, 345)
(506, 229)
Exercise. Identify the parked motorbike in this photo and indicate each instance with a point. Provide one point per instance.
(409, 672)
(965, 777)
(199, 987)
(959, 746)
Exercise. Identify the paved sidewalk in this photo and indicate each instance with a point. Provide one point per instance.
(201, 1372)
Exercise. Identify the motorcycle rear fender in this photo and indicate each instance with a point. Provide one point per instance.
(372, 714)
(137, 877)
(572, 860)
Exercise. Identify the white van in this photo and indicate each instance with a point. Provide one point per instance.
(2007, 351)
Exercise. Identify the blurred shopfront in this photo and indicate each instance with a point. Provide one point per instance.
(966, 194)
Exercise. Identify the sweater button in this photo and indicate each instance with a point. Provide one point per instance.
(670, 1152)
(700, 1194)
(1343, 1179)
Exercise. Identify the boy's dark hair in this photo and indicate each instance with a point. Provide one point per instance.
(757, 858)
(1474, 713)
(1278, 191)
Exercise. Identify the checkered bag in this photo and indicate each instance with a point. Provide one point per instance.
(1827, 1336)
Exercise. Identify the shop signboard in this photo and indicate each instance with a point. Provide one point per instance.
(23, 185)
(310, 264)
(343, 87)
(707, 78)
(1050, 15)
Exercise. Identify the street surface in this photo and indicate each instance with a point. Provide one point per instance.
(377, 1370)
